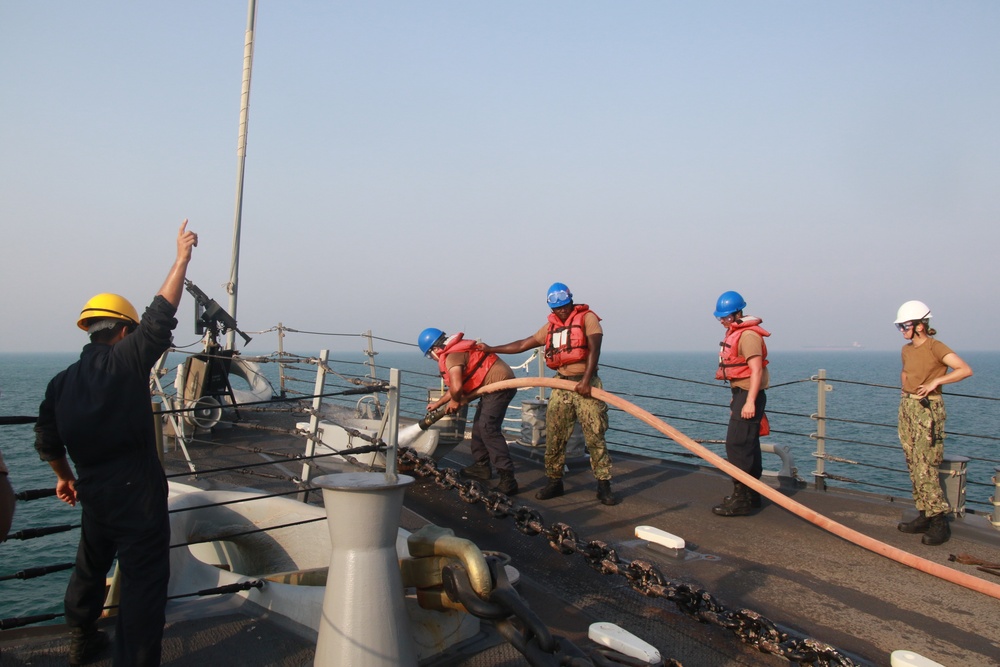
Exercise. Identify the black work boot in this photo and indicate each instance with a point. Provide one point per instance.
(727, 500)
(604, 493)
(918, 525)
(553, 489)
(478, 470)
(738, 504)
(755, 501)
(508, 484)
(85, 644)
(938, 532)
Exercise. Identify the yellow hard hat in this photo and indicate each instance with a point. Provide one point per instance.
(107, 306)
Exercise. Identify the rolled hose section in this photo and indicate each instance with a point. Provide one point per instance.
(827, 524)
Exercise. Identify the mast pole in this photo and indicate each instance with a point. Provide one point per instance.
(241, 154)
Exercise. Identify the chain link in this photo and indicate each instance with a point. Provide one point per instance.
(642, 576)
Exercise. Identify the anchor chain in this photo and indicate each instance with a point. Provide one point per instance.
(520, 626)
(642, 576)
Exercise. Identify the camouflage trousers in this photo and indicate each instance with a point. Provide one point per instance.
(565, 409)
(921, 433)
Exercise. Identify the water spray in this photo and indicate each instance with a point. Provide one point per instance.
(407, 436)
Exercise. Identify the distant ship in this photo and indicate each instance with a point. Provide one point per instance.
(853, 346)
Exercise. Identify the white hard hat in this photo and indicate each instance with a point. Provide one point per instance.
(912, 311)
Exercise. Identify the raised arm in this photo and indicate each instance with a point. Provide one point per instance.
(173, 286)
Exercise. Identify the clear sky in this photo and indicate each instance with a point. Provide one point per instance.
(415, 164)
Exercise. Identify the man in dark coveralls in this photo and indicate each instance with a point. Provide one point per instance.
(98, 411)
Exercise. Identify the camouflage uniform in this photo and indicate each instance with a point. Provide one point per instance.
(921, 433)
(565, 409)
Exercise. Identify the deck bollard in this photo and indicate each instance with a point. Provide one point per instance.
(364, 620)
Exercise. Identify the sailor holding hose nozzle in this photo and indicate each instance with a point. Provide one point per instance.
(464, 369)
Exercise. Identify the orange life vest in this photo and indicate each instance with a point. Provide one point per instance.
(474, 372)
(731, 365)
(566, 342)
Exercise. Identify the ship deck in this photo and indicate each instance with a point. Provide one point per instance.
(804, 579)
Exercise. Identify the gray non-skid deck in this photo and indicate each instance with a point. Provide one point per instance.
(794, 573)
(797, 575)
(228, 639)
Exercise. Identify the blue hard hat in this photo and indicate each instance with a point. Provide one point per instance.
(558, 296)
(729, 303)
(428, 338)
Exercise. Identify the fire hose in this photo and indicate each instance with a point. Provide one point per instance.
(827, 524)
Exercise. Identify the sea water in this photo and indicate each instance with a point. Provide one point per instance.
(677, 387)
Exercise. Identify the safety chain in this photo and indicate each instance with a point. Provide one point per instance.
(749, 626)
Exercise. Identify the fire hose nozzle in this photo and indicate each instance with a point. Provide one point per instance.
(431, 418)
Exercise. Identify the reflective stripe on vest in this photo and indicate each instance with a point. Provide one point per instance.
(566, 342)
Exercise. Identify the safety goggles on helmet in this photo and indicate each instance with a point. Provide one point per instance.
(904, 326)
(558, 298)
